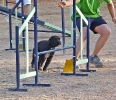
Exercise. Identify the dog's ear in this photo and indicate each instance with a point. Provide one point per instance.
(54, 41)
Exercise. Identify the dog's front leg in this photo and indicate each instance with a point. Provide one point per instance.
(41, 61)
(48, 61)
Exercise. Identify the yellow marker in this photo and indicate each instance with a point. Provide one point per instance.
(20, 46)
(68, 68)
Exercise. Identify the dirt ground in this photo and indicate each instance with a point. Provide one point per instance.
(99, 85)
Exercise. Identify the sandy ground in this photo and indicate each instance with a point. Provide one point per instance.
(99, 85)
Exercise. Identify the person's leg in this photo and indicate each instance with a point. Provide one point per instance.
(78, 46)
(99, 26)
(26, 9)
(78, 42)
(26, 6)
(19, 6)
(104, 32)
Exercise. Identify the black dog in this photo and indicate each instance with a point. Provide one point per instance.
(45, 45)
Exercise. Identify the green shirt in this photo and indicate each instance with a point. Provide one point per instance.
(90, 8)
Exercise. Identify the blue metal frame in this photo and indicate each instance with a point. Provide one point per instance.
(74, 44)
(36, 51)
(10, 12)
(17, 63)
(88, 49)
(63, 28)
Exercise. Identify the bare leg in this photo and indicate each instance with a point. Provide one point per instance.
(26, 7)
(78, 42)
(105, 32)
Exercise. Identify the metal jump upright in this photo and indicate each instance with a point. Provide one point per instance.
(74, 66)
(20, 76)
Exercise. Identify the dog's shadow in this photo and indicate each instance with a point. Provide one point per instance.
(56, 69)
(50, 70)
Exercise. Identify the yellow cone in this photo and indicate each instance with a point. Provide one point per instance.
(68, 67)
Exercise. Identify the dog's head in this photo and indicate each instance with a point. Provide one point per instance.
(54, 41)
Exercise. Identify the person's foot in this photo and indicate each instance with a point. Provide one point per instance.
(96, 61)
(76, 59)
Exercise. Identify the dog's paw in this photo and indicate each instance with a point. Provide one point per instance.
(33, 66)
(40, 69)
(45, 71)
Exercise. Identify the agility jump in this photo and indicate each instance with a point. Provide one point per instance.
(36, 53)
(20, 76)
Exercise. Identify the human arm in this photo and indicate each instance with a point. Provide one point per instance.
(112, 11)
(66, 3)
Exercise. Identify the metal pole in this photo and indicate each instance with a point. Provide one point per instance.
(35, 42)
(23, 33)
(63, 29)
(74, 36)
(17, 59)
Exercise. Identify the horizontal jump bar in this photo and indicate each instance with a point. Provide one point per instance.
(58, 49)
(29, 74)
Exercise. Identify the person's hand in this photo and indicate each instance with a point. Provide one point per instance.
(62, 4)
(114, 20)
